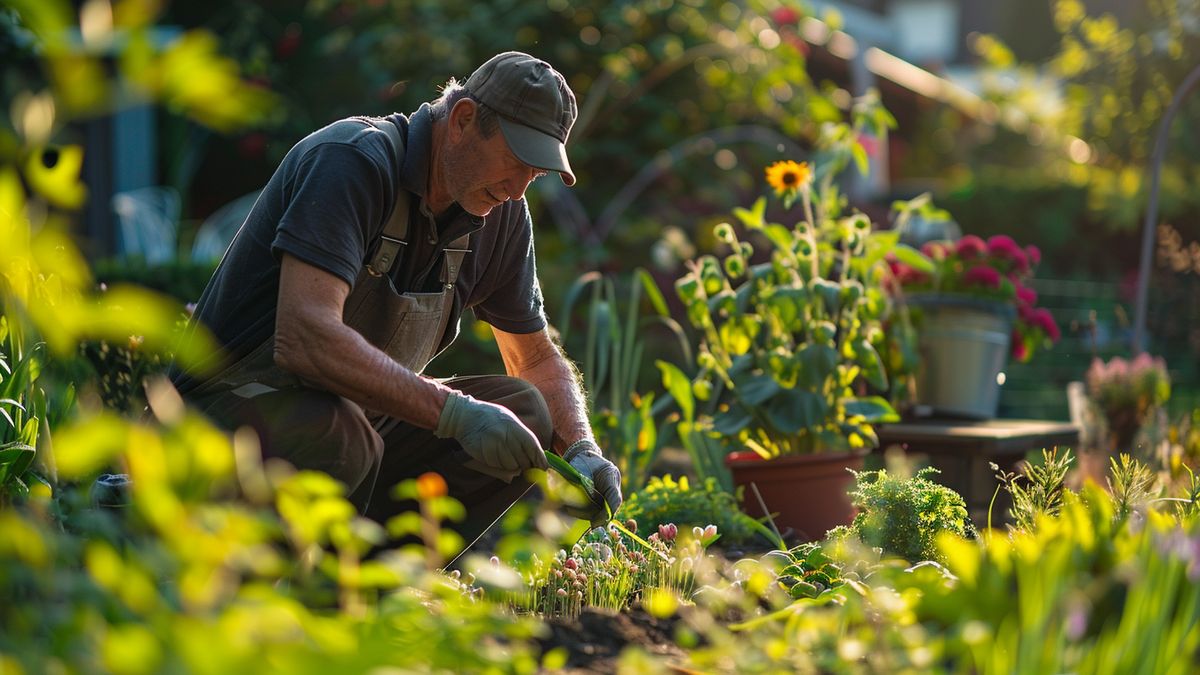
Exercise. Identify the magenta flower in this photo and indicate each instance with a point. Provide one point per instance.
(1019, 259)
(1044, 320)
(909, 275)
(1002, 246)
(1034, 254)
(1026, 295)
(971, 247)
(982, 275)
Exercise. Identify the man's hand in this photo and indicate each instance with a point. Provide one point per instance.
(606, 478)
(490, 434)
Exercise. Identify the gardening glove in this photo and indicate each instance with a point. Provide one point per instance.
(493, 437)
(585, 456)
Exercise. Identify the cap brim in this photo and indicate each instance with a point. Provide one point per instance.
(539, 150)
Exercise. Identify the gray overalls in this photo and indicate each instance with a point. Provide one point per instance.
(367, 451)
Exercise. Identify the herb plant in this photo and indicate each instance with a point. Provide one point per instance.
(1130, 482)
(905, 516)
(1037, 490)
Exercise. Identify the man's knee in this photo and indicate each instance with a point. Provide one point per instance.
(529, 405)
(311, 429)
(513, 393)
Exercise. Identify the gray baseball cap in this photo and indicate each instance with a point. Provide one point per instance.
(535, 106)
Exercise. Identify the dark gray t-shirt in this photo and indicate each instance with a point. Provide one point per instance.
(327, 203)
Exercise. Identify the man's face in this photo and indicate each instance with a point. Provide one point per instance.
(482, 173)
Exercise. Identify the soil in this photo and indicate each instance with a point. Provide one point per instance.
(596, 638)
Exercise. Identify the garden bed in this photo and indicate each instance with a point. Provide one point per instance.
(595, 639)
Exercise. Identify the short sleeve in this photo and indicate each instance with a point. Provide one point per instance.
(515, 303)
(336, 198)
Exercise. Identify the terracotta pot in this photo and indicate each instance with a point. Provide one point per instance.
(807, 493)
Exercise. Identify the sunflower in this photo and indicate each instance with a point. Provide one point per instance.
(787, 177)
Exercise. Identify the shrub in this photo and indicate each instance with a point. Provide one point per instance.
(904, 516)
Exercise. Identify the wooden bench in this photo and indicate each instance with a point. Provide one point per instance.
(962, 449)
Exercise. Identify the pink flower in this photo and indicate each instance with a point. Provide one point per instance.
(1002, 246)
(982, 276)
(1034, 254)
(1142, 361)
(971, 247)
(668, 531)
(1026, 295)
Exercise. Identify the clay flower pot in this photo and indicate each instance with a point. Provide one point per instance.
(806, 493)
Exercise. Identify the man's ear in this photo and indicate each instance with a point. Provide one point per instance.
(462, 117)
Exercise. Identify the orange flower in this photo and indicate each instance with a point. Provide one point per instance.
(787, 176)
(430, 485)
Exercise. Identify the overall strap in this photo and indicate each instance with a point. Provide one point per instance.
(395, 232)
(453, 258)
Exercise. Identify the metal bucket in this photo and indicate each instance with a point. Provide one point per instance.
(964, 344)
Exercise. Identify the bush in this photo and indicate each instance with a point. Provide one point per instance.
(904, 516)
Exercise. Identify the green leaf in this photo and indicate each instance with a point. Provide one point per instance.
(5, 414)
(15, 460)
(874, 409)
(752, 218)
(860, 158)
(755, 389)
(796, 409)
(572, 296)
(787, 303)
(872, 365)
(783, 238)
(732, 421)
(652, 292)
(828, 291)
(913, 258)
(879, 244)
(29, 433)
(817, 362)
(679, 386)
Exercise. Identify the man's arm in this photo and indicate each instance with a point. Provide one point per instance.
(312, 342)
(535, 358)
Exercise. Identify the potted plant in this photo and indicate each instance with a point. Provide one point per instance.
(1125, 393)
(972, 309)
(788, 355)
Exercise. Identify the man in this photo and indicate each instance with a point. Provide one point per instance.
(349, 276)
